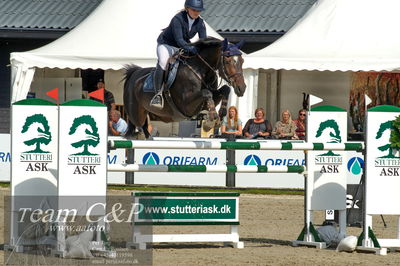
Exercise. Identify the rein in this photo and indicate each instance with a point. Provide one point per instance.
(194, 72)
(215, 70)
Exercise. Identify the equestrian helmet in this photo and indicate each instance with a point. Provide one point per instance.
(194, 4)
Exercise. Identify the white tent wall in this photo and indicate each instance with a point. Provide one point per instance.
(332, 87)
(248, 102)
(277, 90)
(114, 82)
(267, 93)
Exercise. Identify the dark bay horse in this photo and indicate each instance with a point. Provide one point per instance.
(194, 89)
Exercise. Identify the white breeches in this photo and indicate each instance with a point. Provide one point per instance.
(164, 52)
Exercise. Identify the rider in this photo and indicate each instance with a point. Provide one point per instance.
(181, 29)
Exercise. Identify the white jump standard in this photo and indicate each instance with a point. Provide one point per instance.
(54, 163)
(382, 183)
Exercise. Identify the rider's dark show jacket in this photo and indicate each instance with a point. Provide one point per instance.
(177, 33)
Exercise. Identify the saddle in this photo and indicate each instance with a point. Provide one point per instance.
(172, 69)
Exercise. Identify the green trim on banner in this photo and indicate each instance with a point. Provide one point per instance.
(327, 108)
(83, 102)
(34, 101)
(384, 108)
(122, 144)
(187, 168)
(186, 194)
(262, 168)
(231, 168)
(318, 146)
(240, 145)
(286, 146)
(353, 146)
(295, 169)
(187, 223)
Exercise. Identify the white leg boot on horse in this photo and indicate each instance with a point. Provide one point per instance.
(158, 101)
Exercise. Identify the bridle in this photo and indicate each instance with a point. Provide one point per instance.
(225, 76)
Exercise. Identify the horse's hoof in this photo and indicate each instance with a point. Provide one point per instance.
(222, 113)
(140, 136)
(208, 125)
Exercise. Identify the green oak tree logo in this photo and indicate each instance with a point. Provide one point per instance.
(334, 134)
(38, 127)
(87, 128)
(390, 147)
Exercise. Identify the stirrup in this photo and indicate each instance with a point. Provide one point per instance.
(157, 101)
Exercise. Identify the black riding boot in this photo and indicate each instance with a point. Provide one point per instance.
(158, 100)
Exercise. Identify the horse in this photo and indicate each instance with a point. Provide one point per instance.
(195, 87)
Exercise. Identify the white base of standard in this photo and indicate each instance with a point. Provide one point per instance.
(377, 251)
(140, 241)
(319, 245)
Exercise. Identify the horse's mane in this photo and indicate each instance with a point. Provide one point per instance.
(207, 42)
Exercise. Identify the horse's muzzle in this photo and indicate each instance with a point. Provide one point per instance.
(240, 89)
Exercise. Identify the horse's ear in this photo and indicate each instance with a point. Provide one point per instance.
(240, 44)
(225, 44)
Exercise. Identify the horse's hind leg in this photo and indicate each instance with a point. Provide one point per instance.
(146, 129)
(140, 120)
(131, 129)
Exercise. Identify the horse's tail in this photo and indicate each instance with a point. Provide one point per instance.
(129, 70)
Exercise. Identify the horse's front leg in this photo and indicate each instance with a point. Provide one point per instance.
(204, 100)
(210, 105)
(222, 95)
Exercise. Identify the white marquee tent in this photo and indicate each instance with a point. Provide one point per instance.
(117, 33)
(345, 35)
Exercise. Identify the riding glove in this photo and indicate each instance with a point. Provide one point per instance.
(191, 49)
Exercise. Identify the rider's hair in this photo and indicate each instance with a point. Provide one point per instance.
(302, 110)
(290, 115)
(259, 109)
(235, 118)
(118, 113)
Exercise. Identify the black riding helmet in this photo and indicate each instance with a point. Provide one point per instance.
(195, 4)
